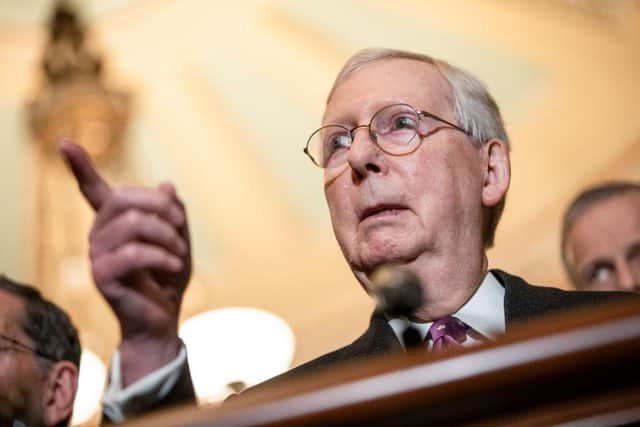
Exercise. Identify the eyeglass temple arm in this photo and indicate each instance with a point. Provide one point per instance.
(424, 113)
(26, 347)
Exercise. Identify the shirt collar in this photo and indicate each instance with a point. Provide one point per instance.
(484, 312)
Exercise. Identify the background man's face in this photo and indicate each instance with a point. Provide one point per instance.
(21, 379)
(604, 244)
(433, 193)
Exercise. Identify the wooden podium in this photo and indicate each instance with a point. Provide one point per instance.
(573, 370)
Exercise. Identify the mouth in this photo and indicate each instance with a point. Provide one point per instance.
(380, 210)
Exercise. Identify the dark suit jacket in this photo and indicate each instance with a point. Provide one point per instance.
(522, 302)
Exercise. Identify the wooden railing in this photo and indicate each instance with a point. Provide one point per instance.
(582, 369)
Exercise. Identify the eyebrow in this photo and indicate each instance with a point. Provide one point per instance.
(341, 120)
(15, 341)
(374, 107)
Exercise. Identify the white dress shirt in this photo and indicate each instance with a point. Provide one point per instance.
(484, 312)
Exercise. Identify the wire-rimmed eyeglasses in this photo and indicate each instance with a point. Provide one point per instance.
(6, 342)
(393, 129)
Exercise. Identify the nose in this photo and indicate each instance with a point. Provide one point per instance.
(364, 156)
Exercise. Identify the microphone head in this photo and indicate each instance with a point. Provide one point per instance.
(397, 292)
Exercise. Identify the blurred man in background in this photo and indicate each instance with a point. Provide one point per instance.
(39, 359)
(601, 238)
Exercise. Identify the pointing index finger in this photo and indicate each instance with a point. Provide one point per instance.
(93, 187)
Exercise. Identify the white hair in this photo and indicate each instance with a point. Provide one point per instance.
(475, 109)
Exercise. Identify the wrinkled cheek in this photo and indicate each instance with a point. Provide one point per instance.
(458, 188)
(347, 240)
(342, 229)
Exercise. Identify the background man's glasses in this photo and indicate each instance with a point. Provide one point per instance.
(393, 129)
(8, 343)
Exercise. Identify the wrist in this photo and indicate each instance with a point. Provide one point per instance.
(142, 355)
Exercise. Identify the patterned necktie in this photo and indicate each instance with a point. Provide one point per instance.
(447, 333)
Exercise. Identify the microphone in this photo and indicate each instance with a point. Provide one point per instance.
(397, 292)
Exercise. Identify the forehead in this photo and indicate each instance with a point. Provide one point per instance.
(607, 226)
(11, 310)
(388, 81)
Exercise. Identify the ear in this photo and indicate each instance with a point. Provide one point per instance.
(62, 384)
(497, 172)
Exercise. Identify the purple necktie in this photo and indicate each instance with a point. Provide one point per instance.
(447, 333)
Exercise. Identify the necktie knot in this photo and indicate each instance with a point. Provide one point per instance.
(447, 332)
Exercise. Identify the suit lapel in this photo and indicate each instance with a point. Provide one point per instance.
(521, 300)
(378, 338)
(524, 302)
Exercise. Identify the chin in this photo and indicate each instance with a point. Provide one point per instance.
(389, 251)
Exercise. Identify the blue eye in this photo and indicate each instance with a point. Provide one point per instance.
(390, 121)
(404, 122)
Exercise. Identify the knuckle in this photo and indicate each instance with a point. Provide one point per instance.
(119, 194)
(133, 218)
(94, 243)
(99, 273)
(174, 236)
(93, 252)
(93, 235)
(130, 252)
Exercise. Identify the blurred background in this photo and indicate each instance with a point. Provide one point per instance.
(219, 98)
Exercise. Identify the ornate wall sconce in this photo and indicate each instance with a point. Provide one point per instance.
(73, 101)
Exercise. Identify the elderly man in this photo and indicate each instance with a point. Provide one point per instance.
(416, 167)
(39, 359)
(601, 238)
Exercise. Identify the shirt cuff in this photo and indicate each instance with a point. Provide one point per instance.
(119, 403)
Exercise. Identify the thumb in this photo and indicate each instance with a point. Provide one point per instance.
(93, 187)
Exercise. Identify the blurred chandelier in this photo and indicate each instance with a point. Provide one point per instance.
(73, 102)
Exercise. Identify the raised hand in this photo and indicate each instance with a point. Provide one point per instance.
(141, 262)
